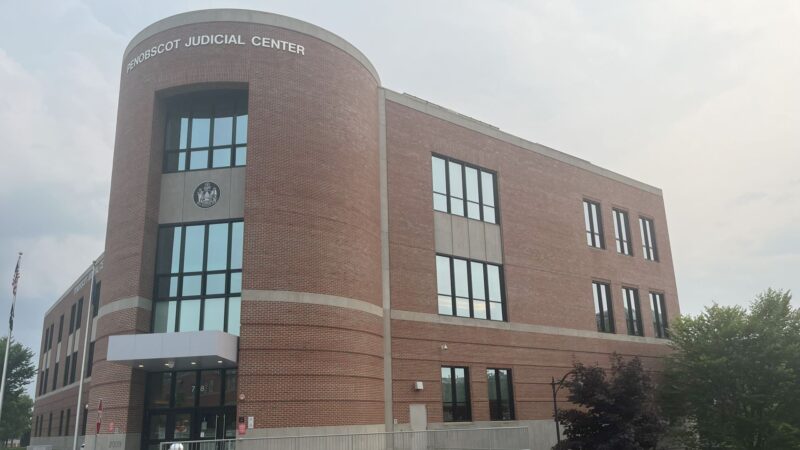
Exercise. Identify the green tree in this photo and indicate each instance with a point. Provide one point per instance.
(615, 414)
(734, 379)
(17, 405)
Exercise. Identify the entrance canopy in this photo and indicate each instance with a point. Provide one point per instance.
(174, 351)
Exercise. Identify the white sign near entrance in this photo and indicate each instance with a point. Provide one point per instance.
(215, 39)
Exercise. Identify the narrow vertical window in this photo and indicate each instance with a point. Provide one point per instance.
(633, 314)
(90, 360)
(60, 327)
(594, 224)
(61, 423)
(55, 377)
(78, 311)
(649, 248)
(659, 314)
(96, 299)
(602, 307)
(622, 232)
(501, 394)
(463, 190)
(455, 394)
(66, 422)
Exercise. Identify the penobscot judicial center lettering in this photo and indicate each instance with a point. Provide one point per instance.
(215, 39)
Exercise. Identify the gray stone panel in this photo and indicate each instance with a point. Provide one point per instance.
(177, 195)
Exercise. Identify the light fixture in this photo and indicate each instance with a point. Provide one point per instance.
(141, 366)
(443, 347)
(219, 361)
(194, 363)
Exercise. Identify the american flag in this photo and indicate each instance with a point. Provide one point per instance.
(15, 280)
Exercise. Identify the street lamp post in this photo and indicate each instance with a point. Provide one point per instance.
(556, 386)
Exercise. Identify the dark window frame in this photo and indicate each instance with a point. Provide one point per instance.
(90, 360)
(454, 393)
(78, 313)
(622, 231)
(73, 366)
(96, 299)
(633, 311)
(193, 101)
(604, 324)
(453, 297)
(498, 407)
(659, 308)
(203, 273)
(55, 377)
(69, 416)
(592, 212)
(481, 204)
(649, 247)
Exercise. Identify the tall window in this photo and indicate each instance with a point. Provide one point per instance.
(96, 299)
(622, 232)
(90, 360)
(501, 394)
(455, 394)
(464, 190)
(55, 377)
(469, 288)
(72, 318)
(60, 327)
(594, 224)
(78, 313)
(66, 427)
(67, 365)
(633, 314)
(199, 277)
(648, 239)
(61, 423)
(602, 307)
(206, 130)
(73, 367)
(659, 314)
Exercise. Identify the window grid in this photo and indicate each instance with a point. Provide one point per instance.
(468, 288)
(226, 394)
(455, 394)
(659, 315)
(171, 297)
(180, 152)
(649, 248)
(633, 313)
(501, 394)
(464, 190)
(594, 224)
(604, 315)
(622, 232)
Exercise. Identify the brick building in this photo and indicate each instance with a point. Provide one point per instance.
(294, 247)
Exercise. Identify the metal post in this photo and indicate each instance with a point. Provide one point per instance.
(555, 410)
(87, 326)
(8, 339)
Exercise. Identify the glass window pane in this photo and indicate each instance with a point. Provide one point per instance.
(492, 381)
(487, 188)
(158, 427)
(223, 130)
(201, 130)
(236, 282)
(158, 389)
(473, 211)
(478, 290)
(461, 384)
(460, 277)
(210, 389)
(493, 276)
(456, 206)
(456, 186)
(496, 311)
(443, 275)
(241, 129)
(489, 214)
(230, 386)
(472, 184)
(221, 157)
(215, 284)
(193, 252)
(182, 161)
(184, 132)
(184, 389)
(169, 250)
(447, 387)
(191, 285)
(164, 316)
(439, 175)
(198, 160)
(190, 315)
(237, 234)
(234, 314)
(183, 426)
(479, 309)
(214, 314)
(241, 156)
(440, 202)
(445, 305)
(217, 246)
(462, 307)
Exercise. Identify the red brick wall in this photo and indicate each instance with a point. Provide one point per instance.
(547, 264)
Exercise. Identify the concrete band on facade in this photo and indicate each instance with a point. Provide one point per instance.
(338, 318)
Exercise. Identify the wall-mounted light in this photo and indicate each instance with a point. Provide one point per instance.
(418, 386)
(443, 346)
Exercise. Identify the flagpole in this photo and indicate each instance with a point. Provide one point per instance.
(87, 324)
(10, 328)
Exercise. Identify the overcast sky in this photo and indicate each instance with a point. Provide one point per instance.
(701, 99)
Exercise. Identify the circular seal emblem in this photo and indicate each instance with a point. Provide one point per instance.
(206, 194)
